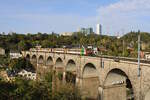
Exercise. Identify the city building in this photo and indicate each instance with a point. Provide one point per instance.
(27, 74)
(147, 55)
(14, 55)
(86, 30)
(99, 29)
(66, 33)
(2, 51)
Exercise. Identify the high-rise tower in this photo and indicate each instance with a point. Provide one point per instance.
(98, 29)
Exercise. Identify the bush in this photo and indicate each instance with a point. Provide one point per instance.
(23, 89)
(19, 64)
(67, 92)
(60, 76)
(70, 78)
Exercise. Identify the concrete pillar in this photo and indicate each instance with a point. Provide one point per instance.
(100, 93)
(64, 77)
(77, 80)
(90, 87)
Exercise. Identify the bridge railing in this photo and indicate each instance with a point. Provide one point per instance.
(117, 59)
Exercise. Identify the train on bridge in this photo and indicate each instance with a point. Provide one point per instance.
(77, 51)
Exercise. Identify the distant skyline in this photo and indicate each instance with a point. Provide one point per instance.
(116, 16)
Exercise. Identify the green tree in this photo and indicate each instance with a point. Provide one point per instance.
(19, 64)
(22, 46)
(24, 89)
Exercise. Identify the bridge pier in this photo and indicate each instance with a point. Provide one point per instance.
(64, 77)
(89, 87)
(114, 92)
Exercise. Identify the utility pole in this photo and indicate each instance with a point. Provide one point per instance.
(123, 48)
(139, 67)
(123, 43)
(101, 60)
(139, 50)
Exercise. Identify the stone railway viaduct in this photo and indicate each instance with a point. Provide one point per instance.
(98, 76)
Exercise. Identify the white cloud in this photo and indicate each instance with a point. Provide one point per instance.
(128, 6)
(125, 14)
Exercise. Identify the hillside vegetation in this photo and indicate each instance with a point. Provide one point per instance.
(124, 46)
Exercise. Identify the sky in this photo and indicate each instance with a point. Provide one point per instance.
(116, 16)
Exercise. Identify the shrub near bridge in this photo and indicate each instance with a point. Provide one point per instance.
(19, 64)
(23, 89)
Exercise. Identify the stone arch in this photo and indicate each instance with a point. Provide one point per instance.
(147, 95)
(115, 75)
(49, 61)
(71, 71)
(71, 66)
(34, 59)
(28, 57)
(117, 80)
(59, 63)
(90, 81)
(89, 70)
(41, 59)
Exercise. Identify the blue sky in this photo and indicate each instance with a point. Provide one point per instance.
(116, 16)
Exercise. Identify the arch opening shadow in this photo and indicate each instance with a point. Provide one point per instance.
(41, 60)
(49, 61)
(90, 82)
(59, 63)
(117, 77)
(71, 66)
(71, 72)
(89, 71)
(34, 59)
(28, 57)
